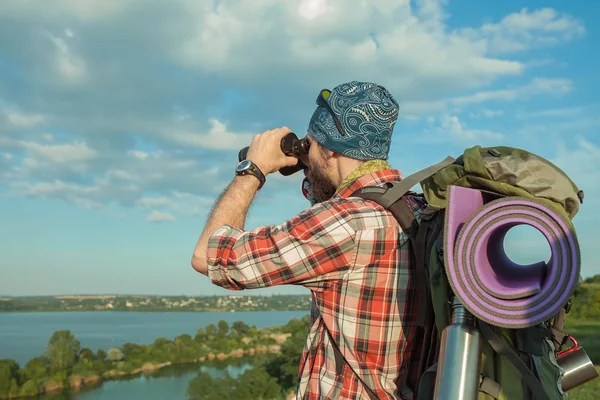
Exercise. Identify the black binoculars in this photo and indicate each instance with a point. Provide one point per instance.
(291, 146)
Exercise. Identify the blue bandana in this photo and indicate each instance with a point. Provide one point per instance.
(367, 113)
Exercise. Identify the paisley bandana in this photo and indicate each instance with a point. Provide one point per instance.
(367, 113)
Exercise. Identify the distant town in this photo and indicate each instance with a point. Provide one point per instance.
(155, 303)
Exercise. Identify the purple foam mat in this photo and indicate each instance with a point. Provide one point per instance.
(487, 282)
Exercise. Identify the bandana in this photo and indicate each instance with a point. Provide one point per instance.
(367, 113)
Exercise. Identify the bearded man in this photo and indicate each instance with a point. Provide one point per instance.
(349, 252)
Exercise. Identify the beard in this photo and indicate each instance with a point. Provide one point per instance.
(321, 188)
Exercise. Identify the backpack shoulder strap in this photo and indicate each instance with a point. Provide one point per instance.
(388, 196)
(419, 235)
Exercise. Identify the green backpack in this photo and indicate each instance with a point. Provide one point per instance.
(516, 363)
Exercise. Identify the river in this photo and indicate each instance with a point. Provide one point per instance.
(25, 335)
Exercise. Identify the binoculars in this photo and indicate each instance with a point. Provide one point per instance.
(291, 146)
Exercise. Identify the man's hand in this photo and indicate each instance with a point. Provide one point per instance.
(265, 151)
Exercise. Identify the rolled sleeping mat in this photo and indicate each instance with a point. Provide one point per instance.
(491, 286)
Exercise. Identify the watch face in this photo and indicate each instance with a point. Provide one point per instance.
(243, 165)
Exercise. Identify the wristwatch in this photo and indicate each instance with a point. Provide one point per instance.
(247, 167)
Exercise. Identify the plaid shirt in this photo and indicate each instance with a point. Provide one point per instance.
(354, 258)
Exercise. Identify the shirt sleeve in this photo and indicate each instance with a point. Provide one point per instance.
(310, 249)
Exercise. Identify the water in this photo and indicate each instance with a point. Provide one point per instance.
(168, 383)
(25, 335)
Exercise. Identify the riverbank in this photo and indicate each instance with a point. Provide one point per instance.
(40, 375)
(76, 383)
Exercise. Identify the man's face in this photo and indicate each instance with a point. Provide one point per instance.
(318, 162)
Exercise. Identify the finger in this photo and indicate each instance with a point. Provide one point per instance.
(284, 130)
(291, 161)
(269, 132)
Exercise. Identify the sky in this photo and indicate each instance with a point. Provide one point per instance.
(121, 120)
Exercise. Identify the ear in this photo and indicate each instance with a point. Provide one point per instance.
(328, 154)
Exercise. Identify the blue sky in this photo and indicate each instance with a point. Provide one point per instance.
(120, 121)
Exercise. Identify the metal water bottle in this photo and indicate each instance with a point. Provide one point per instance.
(457, 376)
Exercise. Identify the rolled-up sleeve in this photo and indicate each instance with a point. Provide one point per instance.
(313, 247)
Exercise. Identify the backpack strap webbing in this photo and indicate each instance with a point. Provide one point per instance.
(388, 197)
(500, 347)
(339, 365)
(399, 189)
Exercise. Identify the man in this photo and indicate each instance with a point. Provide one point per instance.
(349, 252)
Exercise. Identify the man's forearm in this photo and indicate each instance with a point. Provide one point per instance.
(230, 209)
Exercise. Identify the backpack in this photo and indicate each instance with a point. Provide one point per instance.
(515, 363)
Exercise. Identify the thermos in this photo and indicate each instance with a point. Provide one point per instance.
(457, 376)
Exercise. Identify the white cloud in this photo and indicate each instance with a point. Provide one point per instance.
(580, 159)
(76, 173)
(218, 137)
(492, 113)
(414, 51)
(311, 9)
(150, 202)
(460, 131)
(161, 98)
(84, 10)
(17, 118)
(80, 195)
(61, 153)
(536, 87)
(567, 112)
(141, 155)
(70, 67)
(158, 216)
(21, 120)
(528, 29)
(231, 41)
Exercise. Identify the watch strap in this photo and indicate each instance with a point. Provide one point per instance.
(255, 171)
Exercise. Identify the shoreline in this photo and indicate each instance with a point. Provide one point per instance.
(76, 383)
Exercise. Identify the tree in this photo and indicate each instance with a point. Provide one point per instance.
(9, 374)
(223, 328)
(205, 387)
(36, 369)
(184, 339)
(115, 354)
(86, 354)
(30, 388)
(240, 328)
(200, 336)
(257, 384)
(62, 350)
(101, 355)
(211, 331)
(284, 367)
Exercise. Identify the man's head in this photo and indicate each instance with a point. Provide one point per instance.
(352, 124)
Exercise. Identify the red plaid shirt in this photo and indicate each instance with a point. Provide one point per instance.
(354, 258)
